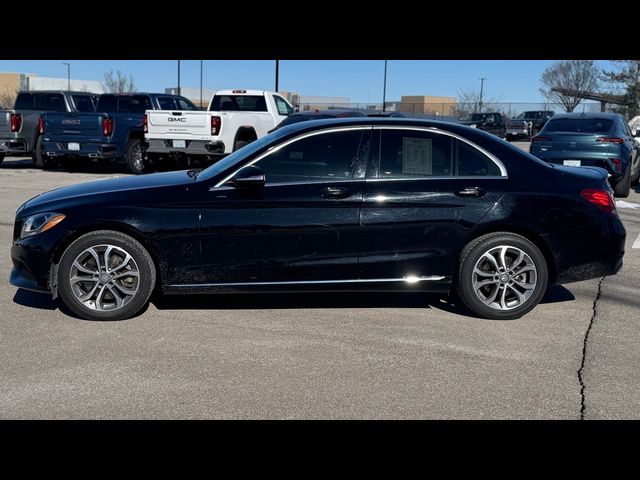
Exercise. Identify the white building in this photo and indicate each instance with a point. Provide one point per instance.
(54, 83)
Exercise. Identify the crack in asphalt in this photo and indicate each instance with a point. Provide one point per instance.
(584, 350)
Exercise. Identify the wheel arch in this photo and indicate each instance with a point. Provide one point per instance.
(245, 133)
(115, 226)
(528, 233)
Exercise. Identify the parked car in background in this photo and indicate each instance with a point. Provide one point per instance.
(351, 204)
(20, 128)
(492, 122)
(316, 115)
(233, 119)
(591, 140)
(113, 133)
(527, 124)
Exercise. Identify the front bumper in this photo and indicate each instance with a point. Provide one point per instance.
(161, 147)
(106, 151)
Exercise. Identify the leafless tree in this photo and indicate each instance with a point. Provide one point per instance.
(7, 99)
(469, 101)
(576, 75)
(625, 80)
(118, 82)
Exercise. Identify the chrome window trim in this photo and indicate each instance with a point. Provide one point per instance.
(492, 157)
(409, 279)
(451, 177)
(288, 142)
(282, 184)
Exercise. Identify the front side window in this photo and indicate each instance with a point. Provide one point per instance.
(323, 157)
(418, 154)
(83, 103)
(283, 107)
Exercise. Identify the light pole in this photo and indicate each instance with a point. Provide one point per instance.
(481, 89)
(201, 62)
(68, 75)
(178, 77)
(384, 90)
(277, 73)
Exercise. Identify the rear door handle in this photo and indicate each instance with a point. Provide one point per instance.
(335, 192)
(471, 192)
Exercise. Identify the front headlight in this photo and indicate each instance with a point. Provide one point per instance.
(40, 222)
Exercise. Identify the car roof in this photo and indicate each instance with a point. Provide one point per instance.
(334, 112)
(240, 91)
(72, 92)
(373, 121)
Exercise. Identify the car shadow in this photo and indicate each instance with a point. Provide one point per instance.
(27, 164)
(282, 301)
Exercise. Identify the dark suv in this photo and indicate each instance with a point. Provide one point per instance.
(591, 140)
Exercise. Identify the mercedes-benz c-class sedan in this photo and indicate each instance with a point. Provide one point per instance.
(354, 204)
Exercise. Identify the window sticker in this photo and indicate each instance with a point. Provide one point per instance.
(416, 156)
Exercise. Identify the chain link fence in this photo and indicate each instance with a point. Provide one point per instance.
(459, 111)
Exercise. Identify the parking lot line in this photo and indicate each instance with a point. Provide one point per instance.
(636, 244)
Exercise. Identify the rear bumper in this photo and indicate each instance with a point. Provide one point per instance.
(88, 150)
(602, 161)
(591, 255)
(518, 132)
(14, 146)
(160, 147)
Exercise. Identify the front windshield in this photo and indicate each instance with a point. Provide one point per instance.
(239, 155)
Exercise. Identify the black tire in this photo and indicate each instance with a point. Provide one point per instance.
(1, 157)
(134, 157)
(36, 156)
(472, 254)
(636, 178)
(139, 255)
(622, 187)
(508, 138)
(239, 144)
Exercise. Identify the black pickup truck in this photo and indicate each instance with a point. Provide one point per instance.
(492, 122)
(21, 127)
(113, 133)
(527, 124)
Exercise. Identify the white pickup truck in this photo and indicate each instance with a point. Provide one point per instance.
(233, 119)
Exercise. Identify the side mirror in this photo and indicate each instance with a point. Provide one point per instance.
(296, 108)
(250, 177)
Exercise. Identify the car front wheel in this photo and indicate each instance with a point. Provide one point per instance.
(105, 275)
(501, 276)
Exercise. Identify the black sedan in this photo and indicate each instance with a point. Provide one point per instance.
(355, 204)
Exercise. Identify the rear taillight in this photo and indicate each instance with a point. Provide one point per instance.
(107, 126)
(216, 123)
(41, 125)
(16, 122)
(145, 123)
(603, 199)
(618, 164)
(539, 138)
(610, 140)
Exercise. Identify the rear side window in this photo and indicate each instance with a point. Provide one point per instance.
(52, 102)
(579, 125)
(24, 101)
(416, 154)
(83, 103)
(239, 103)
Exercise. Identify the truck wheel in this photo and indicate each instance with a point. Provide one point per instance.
(501, 276)
(106, 275)
(1, 157)
(239, 144)
(36, 156)
(135, 157)
(622, 187)
(508, 137)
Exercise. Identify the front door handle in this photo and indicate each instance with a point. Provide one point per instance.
(471, 192)
(335, 192)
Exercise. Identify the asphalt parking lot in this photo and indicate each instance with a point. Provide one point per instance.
(319, 356)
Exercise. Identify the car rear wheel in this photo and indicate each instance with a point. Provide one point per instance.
(135, 157)
(1, 157)
(502, 276)
(239, 144)
(106, 275)
(37, 157)
(622, 187)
